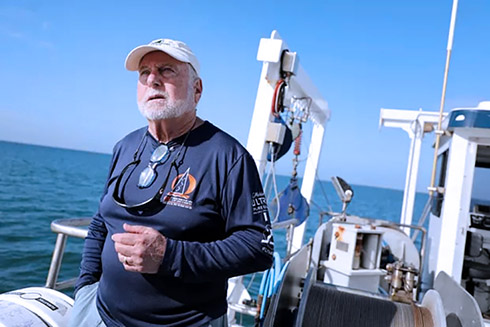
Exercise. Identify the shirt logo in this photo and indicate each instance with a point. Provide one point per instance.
(182, 185)
(259, 203)
(267, 241)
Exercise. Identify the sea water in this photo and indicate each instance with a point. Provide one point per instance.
(39, 184)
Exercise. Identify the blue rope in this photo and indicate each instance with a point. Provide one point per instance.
(280, 277)
(263, 281)
(270, 281)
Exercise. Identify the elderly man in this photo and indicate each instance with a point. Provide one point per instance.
(182, 211)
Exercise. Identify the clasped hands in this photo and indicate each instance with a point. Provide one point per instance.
(140, 249)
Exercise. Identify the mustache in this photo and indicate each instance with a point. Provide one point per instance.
(152, 94)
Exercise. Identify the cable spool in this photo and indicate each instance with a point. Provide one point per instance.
(408, 315)
(278, 98)
(323, 305)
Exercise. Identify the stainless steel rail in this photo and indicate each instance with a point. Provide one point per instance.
(64, 227)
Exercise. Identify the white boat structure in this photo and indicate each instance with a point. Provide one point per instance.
(359, 271)
(355, 271)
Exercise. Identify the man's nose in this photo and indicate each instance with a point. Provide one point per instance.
(154, 79)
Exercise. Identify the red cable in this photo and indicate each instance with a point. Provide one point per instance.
(274, 108)
(297, 144)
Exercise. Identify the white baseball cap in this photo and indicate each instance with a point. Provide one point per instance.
(176, 49)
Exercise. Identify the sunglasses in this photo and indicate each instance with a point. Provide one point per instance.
(149, 174)
(147, 177)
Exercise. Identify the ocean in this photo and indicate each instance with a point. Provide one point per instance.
(39, 184)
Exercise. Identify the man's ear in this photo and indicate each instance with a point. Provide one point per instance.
(197, 90)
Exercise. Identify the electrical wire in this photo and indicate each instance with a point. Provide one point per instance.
(272, 172)
(317, 178)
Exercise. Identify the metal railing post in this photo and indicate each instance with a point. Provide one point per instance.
(54, 268)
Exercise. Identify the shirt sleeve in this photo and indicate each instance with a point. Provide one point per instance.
(248, 246)
(91, 265)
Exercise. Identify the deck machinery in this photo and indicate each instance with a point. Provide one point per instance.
(368, 272)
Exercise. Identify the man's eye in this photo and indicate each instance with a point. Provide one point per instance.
(144, 72)
(166, 71)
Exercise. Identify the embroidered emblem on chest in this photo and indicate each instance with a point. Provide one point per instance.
(182, 186)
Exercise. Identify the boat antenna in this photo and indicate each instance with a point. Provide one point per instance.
(439, 132)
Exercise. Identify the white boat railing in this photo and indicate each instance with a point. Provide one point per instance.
(74, 227)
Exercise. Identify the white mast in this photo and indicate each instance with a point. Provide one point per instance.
(300, 85)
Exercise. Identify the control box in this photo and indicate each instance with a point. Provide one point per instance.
(354, 258)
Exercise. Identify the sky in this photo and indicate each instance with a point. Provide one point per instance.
(64, 84)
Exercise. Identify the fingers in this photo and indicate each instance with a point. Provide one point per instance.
(126, 238)
(134, 234)
(123, 249)
(140, 249)
(137, 229)
(124, 259)
(128, 264)
(137, 269)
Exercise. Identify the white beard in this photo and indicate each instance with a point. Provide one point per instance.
(171, 109)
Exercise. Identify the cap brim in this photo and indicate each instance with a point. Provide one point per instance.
(134, 57)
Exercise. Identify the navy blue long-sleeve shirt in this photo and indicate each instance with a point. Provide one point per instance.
(214, 217)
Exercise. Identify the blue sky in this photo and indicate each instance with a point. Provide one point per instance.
(64, 84)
